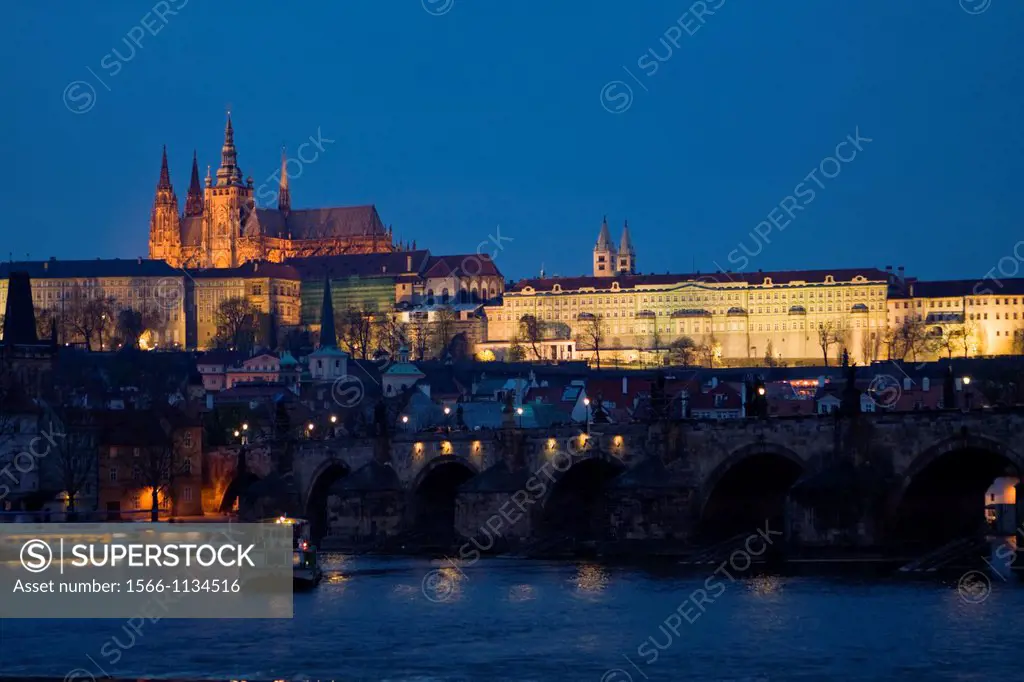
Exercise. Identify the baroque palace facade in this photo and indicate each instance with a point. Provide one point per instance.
(222, 227)
(792, 316)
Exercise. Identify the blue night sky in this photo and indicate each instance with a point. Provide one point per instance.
(492, 114)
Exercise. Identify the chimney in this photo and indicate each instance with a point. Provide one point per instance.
(255, 266)
(625, 381)
(408, 263)
(900, 272)
(888, 268)
(139, 260)
(925, 384)
(46, 266)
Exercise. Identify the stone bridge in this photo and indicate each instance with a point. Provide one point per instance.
(668, 481)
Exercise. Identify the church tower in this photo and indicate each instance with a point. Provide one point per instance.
(164, 224)
(604, 253)
(627, 256)
(227, 203)
(194, 200)
(284, 196)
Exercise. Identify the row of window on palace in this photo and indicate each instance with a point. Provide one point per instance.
(955, 303)
(570, 315)
(970, 316)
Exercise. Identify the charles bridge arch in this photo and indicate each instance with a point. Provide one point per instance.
(681, 470)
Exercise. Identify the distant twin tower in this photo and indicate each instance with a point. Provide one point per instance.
(609, 261)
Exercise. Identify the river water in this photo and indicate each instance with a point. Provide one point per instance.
(561, 621)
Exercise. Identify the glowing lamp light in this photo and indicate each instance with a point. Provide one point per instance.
(334, 419)
(586, 401)
(618, 441)
(245, 427)
(551, 443)
(760, 390)
(519, 411)
(309, 426)
(447, 410)
(405, 419)
(967, 381)
(237, 434)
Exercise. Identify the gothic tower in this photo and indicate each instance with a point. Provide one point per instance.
(227, 203)
(627, 256)
(194, 200)
(284, 197)
(604, 253)
(164, 225)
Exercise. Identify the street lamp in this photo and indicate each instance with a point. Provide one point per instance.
(334, 419)
(967, 392)
(586, 402)
(245, 426)
(405, 421)
(309, 429)
(519, 411)
(447, 412)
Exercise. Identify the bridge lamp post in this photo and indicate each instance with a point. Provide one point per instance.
(967, 392)
(245, 432)
(447, 413)
(586, 403)
(309, 430)
(405, 421)
(519, 413)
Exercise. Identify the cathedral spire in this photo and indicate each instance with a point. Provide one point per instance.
(627, 254)
(328, 337)
(194, 199)
(165, 174)
(229, 173)
(626, 244)
(604, 237)
(284, 197)
(604, 252)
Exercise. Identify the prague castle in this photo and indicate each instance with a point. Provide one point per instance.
(222, 227)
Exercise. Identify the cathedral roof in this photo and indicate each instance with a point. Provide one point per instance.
(751, 278)
(316, 223)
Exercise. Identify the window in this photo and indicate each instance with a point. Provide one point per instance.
(135, 452)
(113, 474)
(186, 493)
(136, 473)
(186, 466)
(188, 439)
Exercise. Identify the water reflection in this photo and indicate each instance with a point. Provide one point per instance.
(590, 578)
(518, 593)
(764, 584)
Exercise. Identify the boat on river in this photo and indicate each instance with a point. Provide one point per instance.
(306, 572)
